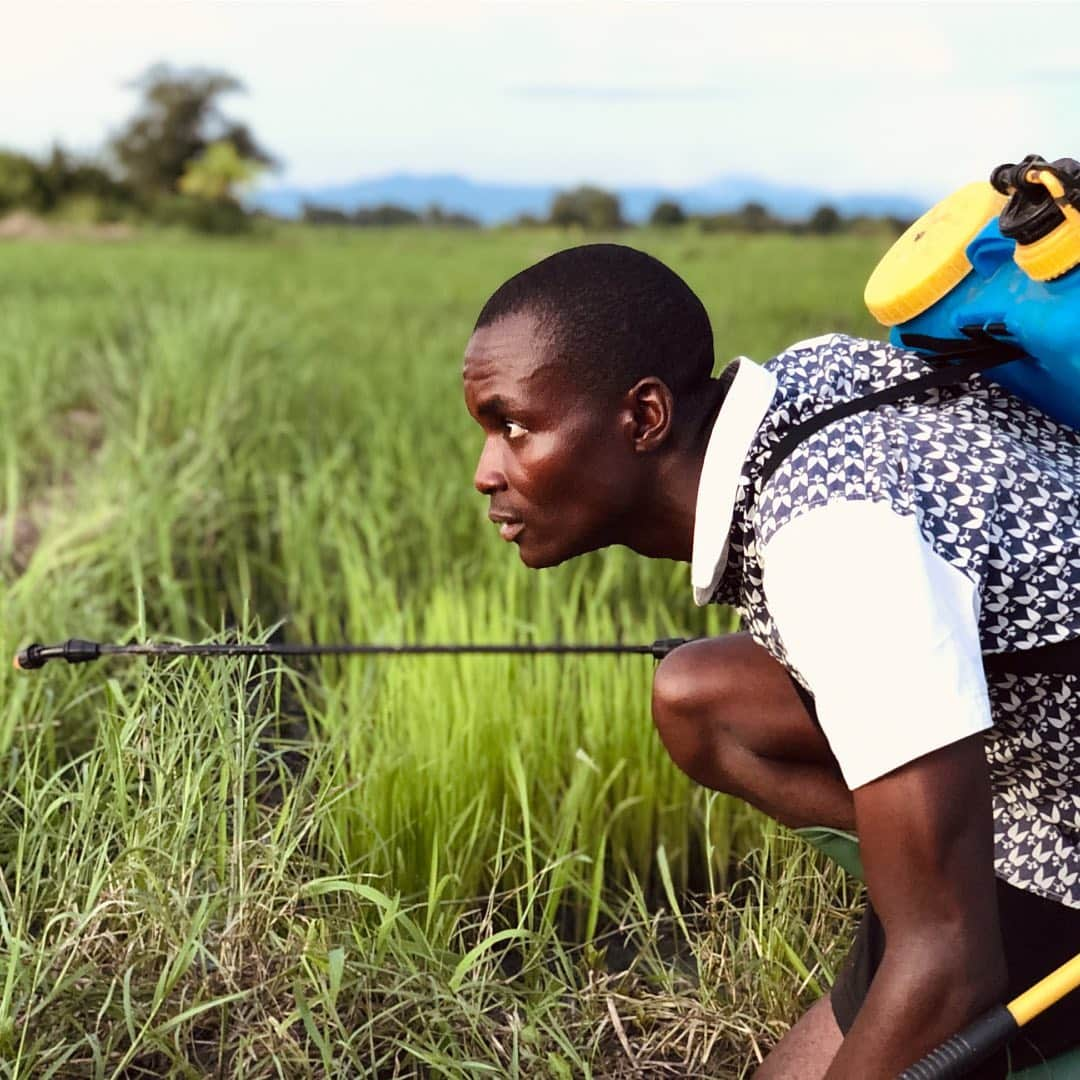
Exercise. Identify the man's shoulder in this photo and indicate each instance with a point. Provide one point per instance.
(836, 365)
(820, 343)
(835, 345)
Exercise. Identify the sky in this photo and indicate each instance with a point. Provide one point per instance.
(871, 96)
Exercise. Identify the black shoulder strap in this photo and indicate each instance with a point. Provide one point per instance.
(1061, 658)
(957, 363)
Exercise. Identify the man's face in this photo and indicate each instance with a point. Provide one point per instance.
(555, 463)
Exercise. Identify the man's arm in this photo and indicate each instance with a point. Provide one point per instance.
(886, 633)
(927, 848)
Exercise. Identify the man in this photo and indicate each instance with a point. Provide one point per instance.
(873, 567)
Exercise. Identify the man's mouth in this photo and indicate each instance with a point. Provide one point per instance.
(509, 530)
(508, 527)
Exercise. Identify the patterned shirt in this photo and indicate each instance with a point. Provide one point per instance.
(993, 487)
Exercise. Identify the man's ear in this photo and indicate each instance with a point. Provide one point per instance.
(649, 410)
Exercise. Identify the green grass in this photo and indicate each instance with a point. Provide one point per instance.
(448, 867)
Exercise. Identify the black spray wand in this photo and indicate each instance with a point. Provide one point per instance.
(79, 651)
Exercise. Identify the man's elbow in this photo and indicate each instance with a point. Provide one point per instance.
(947, 973)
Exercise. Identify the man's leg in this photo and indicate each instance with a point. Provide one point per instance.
(808, 1048)
(731, 719)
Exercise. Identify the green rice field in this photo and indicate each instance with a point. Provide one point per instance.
(407, 867)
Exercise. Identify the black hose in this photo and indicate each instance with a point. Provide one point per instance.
(959, 1055)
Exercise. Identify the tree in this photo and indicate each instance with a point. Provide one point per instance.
(710, 223)
(314, 214)
(21, 183)
(178, 121)
(384, 214)
(436, 215)
(754, 217)
(825, 221)
(589, 207)
(667, 212)
(218, 172)
(59, 183)
(64, 175)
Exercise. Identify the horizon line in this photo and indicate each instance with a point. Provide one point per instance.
(649, 185)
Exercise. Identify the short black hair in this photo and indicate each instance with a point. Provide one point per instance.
(612, 315)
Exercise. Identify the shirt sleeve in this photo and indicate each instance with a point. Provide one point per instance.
(884, 630)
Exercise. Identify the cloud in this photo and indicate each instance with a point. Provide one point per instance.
(1045, 76)
(843, 95)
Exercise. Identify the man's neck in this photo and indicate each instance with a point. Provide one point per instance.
(663, 526)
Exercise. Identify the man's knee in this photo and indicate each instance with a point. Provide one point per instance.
(686, 682)
(694, 695)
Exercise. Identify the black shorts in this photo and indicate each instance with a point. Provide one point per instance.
(1039, 935)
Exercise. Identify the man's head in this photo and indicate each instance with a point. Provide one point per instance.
(574, 370)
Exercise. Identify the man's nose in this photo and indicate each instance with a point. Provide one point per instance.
(489, 477)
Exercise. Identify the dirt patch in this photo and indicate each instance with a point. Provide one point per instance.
(25, 535)
(83, 426)
(21, 225)
(20, 537)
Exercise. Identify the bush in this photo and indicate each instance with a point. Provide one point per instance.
(88, 209)
(667, 212)
(589, 207)
(221, 218)
(21, 186)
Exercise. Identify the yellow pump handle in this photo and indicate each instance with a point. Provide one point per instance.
(1057, 252)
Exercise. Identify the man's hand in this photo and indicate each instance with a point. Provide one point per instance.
(926, 835)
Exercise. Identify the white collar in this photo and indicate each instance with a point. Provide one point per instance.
(748, 399)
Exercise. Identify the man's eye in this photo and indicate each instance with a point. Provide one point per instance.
(514, 430)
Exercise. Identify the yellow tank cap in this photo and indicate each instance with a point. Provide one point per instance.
(930, 258)
(1055, 254)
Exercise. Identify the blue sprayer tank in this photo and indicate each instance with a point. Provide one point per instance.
(997, 262)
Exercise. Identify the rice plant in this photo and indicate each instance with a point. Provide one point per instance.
(472, 866)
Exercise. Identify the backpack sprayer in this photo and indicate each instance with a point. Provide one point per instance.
(996, 263)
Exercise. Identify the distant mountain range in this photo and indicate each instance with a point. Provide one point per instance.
(491, 203)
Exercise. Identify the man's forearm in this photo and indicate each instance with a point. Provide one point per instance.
(919, 997)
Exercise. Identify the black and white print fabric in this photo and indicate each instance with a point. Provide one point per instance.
(995, 488)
